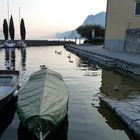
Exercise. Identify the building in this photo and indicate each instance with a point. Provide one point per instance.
(123, 25)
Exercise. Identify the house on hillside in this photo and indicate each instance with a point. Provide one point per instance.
(123, 25)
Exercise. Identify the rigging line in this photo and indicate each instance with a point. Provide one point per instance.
(8, 15)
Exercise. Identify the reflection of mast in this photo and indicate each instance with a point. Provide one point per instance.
(10, 59)
(13, 56)
(23, 59)
(7, 57)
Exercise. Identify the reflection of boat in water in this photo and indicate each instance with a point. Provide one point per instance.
(23, 59)
(0, 44)
(10, 58)
(43, 102)
(8, 86)
(59, 133)
(7, 114)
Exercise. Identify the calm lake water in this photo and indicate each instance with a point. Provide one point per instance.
(87, 118)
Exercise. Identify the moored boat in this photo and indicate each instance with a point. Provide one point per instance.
(43, 102)
(9, 84)
(21, 44)
(9, 44)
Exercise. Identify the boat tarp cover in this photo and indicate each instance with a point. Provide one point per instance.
(43, 101)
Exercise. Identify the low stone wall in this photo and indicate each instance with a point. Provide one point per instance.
(129, 69)
(132, 41)
(128, 111)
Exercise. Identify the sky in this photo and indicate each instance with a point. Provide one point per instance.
(44, 18)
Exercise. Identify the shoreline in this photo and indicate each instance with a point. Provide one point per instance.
(37, 43)
(116, 61)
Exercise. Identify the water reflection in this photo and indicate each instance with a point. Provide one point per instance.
(90, 69)
(7, 114)
(60, 133)
(118, 86)
(85, 123)
(10, 58)
(83, 64)
(113, 121)
(23, 59)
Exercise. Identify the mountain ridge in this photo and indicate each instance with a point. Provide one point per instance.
(97, 19)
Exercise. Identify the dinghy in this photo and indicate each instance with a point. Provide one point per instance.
(43, 102)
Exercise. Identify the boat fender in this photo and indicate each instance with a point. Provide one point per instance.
(15, 94)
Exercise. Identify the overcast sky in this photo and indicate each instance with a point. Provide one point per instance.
(44, 18)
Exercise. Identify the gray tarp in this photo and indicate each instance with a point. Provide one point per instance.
(43, 101)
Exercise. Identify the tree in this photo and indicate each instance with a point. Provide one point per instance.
(22, 29)
(11, 28)
(5, 29)
(86, 31)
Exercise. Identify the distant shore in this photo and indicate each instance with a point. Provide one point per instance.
(45, 42)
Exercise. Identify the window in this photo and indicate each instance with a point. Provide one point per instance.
(137, 8)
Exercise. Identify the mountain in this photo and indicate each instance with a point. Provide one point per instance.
(69, 35)
(98, 19)
(63, 34)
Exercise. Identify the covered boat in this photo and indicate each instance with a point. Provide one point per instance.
(9, 84)
(43, 102)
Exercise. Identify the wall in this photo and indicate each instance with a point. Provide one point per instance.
(132, 43)
(120, 17)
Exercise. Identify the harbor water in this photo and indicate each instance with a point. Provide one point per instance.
(87, 118)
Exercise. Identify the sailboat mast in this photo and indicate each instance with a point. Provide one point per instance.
(8, 10)
(19, 21)
(8, 16)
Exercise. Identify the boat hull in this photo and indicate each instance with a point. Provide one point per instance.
(59, 133)
(5, 101)
(9, 85)
(7, 112)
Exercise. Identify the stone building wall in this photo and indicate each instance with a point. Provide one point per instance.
(132, 41)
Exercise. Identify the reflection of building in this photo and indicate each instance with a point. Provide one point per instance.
(125, 85)
(122, 23)
(23, 59)
(10, 58)
(110, 117)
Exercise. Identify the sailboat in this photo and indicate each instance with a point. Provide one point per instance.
(9, 79)
(22, 42)
(8, 29)
(9, 44)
